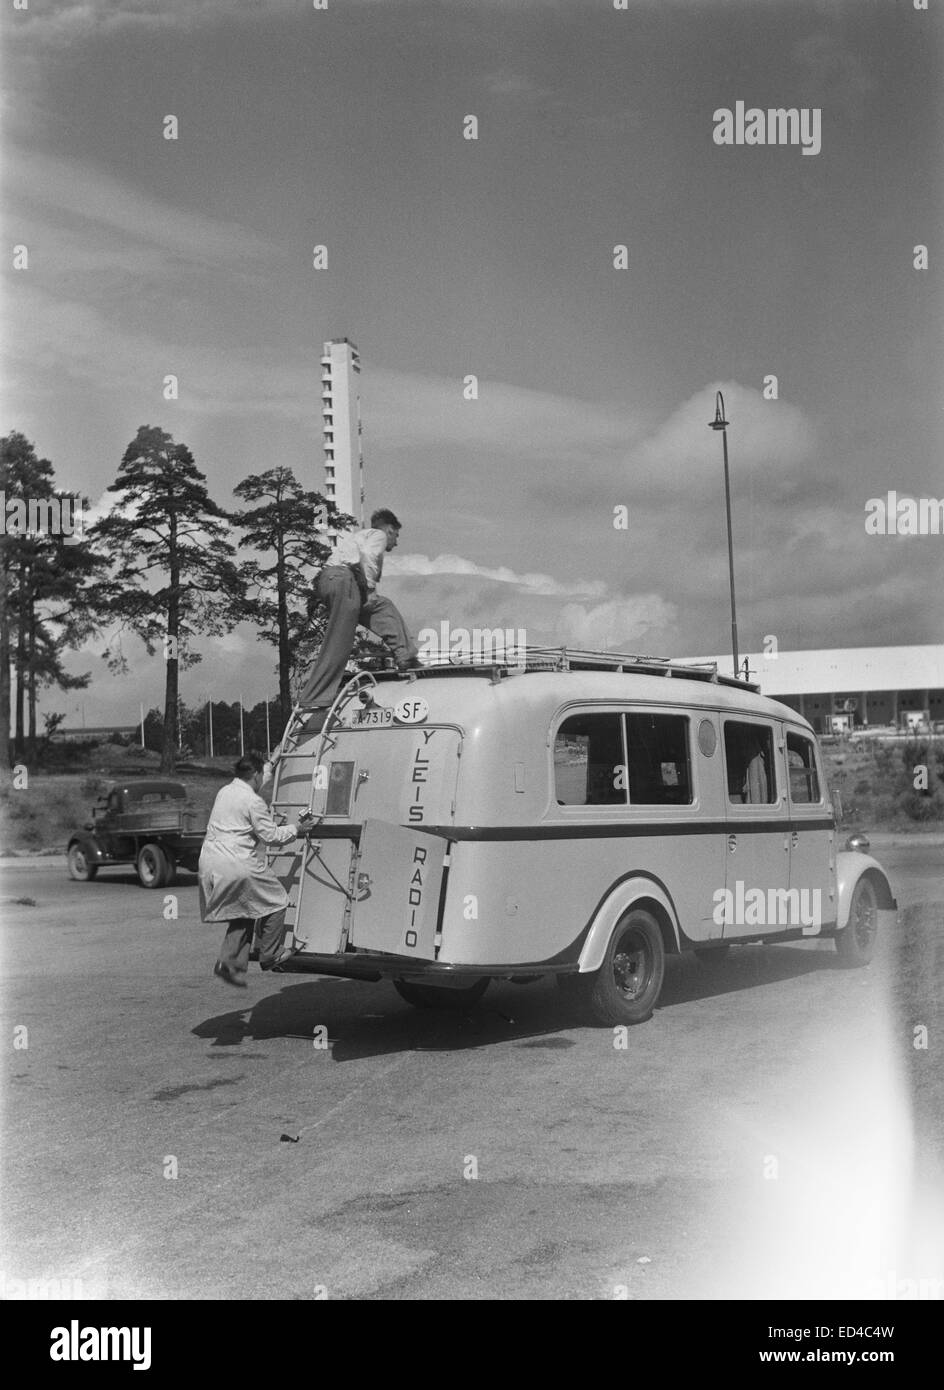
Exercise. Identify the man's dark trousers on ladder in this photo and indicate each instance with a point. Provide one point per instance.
(347, 588)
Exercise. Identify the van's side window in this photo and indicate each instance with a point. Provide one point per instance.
(801, 761)
(749, 760)
(589, 767)
(659, 773)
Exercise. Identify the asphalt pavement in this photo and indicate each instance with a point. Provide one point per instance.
(774, 1130)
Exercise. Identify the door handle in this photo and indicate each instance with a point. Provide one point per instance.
(732, 843)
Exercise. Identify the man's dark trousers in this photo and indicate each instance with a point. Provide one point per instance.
(348, 604)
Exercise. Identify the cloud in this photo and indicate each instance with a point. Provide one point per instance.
(618, 623)
(231, 642)
(515, 85)
(81, 191)
(831, 69)
(539, 584)
(764, 438)
(72, 21)
(412, 410)
(401, 410)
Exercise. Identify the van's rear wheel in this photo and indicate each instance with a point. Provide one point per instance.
(856, 942)
(154, 868)
(440, 996)
(628, 983)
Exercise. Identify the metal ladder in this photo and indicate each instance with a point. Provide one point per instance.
(287, 752)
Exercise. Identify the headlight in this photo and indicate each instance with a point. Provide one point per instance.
(859, 842)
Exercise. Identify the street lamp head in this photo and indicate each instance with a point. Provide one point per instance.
(719, 422)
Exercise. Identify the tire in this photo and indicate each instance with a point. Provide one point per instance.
(80, 866)
(713, 955)
(440, 996)
(153, 866)
(856, 942)
(626, 987)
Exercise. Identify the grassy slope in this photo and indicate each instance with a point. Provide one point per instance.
(41, 817)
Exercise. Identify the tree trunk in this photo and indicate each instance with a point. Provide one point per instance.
(31, 688)
(20, 740)
(171, 684)
(285, 693)
(5, 759)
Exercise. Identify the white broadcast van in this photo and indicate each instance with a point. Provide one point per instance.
(564, 813)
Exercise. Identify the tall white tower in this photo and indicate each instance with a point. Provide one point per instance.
(341, 426)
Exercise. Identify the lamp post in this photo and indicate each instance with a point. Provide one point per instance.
(720, 423)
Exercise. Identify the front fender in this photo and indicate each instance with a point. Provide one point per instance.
(850, 867)
(90, 847)
(615, 905)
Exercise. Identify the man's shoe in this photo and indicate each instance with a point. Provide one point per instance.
(225, 972)
(285, 954)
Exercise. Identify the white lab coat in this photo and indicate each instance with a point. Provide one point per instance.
(234, 879)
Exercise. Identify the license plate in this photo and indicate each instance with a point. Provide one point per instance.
(372, 716)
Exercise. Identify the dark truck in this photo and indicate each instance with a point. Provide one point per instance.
(149, 824)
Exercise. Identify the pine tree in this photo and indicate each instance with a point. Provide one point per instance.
(173, 575)
(289, 526)
(49, 600)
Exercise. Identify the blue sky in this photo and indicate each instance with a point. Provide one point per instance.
(447, 256)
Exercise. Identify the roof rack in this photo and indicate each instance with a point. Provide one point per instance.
(574, 659)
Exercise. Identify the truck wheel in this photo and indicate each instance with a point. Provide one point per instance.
(80, 866)
(628, 983)
(440, 996)
(153, 867)
(856, 942)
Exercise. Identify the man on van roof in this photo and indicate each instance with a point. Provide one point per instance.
(347, 586)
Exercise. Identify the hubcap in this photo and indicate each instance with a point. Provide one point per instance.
(78, 859)
(631, 967)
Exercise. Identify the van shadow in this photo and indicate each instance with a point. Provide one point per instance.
(370, 1020)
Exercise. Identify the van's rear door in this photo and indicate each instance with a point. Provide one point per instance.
(318, 881)
(399, 882)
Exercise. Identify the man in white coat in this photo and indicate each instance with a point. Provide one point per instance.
(236, 885)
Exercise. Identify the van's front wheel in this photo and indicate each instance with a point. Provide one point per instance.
(628, 983)
(856, 942)
(440, 996)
